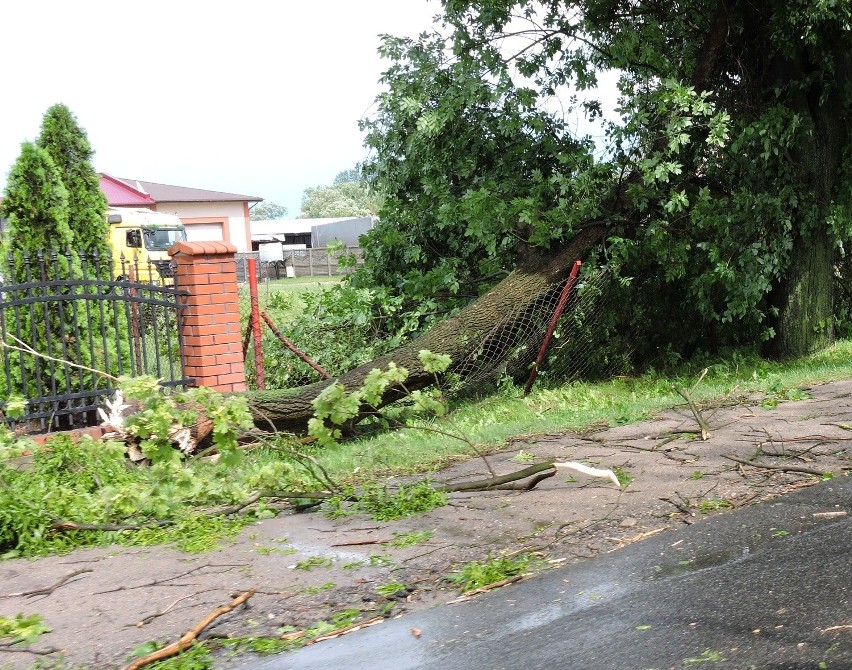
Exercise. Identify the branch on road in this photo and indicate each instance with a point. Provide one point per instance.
(46, 590)
(188, 638)
(770, 466)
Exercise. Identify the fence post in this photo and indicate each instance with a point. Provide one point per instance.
(554, 319)
(254, 325)
(211, 319)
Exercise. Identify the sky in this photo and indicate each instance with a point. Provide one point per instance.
(253, 97)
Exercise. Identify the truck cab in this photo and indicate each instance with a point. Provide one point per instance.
(142, 236)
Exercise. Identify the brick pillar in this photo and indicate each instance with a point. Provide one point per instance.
(212, 339)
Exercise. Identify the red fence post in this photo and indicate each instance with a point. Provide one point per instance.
(292, 347)
(563, 298)
(254, 324)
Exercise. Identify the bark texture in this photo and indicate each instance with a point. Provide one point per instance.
(803, 296)
(458, 336)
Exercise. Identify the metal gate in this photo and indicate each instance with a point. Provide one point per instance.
(69, 331)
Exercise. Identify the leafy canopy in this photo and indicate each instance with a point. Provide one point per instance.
(343, 198)
(264, 211)
(729, 163)
(35, 203)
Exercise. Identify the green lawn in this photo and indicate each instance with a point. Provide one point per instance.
(293, 287)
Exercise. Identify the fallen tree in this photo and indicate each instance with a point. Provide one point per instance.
(458, 336)
(725, 183)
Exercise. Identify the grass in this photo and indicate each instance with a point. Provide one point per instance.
(21, 629)
(293, 286)
(476, 574)
(390, 589)
(314, 562)
(623, 476)
(402, 540)
(488, 423)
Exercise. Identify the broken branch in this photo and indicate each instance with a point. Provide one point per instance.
(64, 525)
(149, 618)
(681, 507)
(539, 471)
(170, 579)
(769, 466)
(494, 482)
(467, 595)
(47, 590)
(686, 395)
(348, 629)
(834, 628)
(11, 647)
(190, 636)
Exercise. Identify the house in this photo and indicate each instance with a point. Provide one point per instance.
(313, 233)
(207, 215)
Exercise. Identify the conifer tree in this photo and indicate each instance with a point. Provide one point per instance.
(35, 203)
(66, 142)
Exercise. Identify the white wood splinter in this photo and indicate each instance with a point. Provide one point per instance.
(586, 470)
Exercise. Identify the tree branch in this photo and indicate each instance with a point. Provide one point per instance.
(47, 590)
(27, 349)
(190, 636)
(769, 466)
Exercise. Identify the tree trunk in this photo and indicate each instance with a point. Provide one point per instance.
(803, 299)
(458, 336)
(803, 295)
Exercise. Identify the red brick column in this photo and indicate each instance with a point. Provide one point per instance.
(212, 339)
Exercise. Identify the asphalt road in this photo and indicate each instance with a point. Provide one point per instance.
(760, 587)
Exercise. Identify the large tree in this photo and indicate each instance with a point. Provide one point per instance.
(68, 145)
(721, 199)
(724, 188)
(35, 206)
(343, 198)
(53, 203)
(264, 211)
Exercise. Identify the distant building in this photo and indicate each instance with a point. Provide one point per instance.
(207, 215)
(313, 233)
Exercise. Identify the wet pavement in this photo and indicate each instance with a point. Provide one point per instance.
(766, 587)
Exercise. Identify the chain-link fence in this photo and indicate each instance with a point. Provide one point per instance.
(511, 348)
(341, 338)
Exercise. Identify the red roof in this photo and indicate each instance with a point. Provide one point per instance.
(121, 194)
(168, 193)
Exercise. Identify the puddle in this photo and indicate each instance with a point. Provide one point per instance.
(701, 562)
(600, 593)
(318, 549)
(542, 617)
(310, 536)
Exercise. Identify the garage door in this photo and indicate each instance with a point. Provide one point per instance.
(204, 232)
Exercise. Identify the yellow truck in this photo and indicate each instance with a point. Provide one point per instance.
(139, 236)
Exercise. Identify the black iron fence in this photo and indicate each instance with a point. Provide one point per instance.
(69, 329)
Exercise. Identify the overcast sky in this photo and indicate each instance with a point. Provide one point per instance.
(250, 96)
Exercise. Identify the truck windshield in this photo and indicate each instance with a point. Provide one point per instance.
(160, 239)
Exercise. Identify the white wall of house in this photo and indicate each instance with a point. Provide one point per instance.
(213, 221)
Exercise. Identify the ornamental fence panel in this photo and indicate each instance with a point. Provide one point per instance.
(71, 324)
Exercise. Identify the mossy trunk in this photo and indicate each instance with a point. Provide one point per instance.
(458, 337)
(803, 298)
